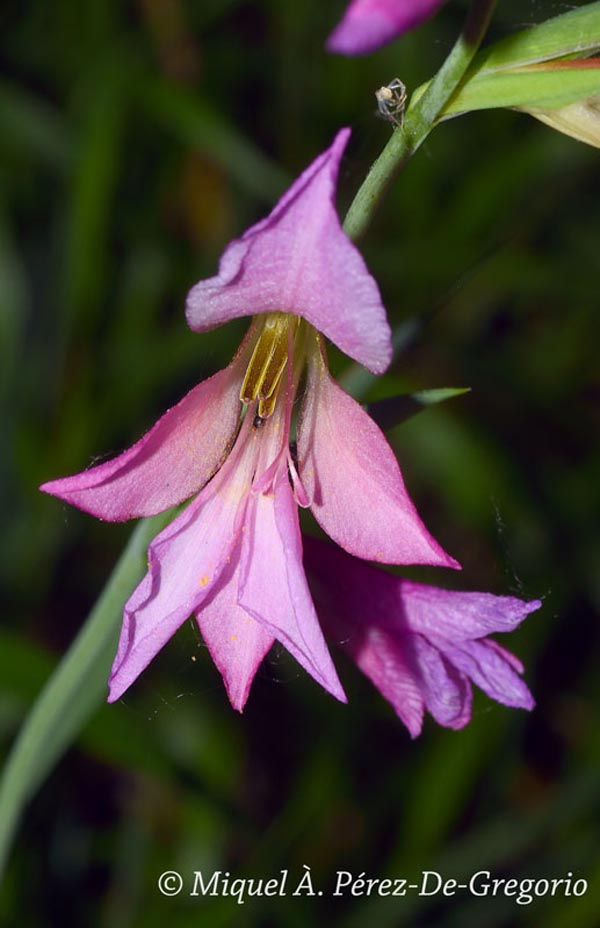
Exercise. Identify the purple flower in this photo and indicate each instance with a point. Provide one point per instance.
(422, 647)
(234, 556)
(368, 24)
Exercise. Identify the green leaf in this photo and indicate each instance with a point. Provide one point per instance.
(15, 304)
(393, 410)
(92, 191)
(74, 691)
(502, 76)
(549, 89)
(576, 33)
(32, 127)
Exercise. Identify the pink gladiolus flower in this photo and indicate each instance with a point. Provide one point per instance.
(369, 24)
(421, 646)
(234, 556)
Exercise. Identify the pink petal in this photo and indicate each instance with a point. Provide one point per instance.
(352, 477)
(237, 643)
(408, 672)
(399, 635)
(368, 24)
(171, 462)
(512, 659)
(186, 561)
(273, 586)
(357, 605)
(299, 260)
(447, 692)
(491, 672)
(383, 659)
(454, 615)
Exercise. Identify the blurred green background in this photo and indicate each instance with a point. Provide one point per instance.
(135, 140)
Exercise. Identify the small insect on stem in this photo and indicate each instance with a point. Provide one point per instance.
(391, 100)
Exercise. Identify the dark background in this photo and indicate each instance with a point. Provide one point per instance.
(136, 139)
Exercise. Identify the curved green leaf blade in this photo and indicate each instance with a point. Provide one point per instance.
(391, 411)
(575, 33)
(74, 691)
(545, 89)
(510, 73)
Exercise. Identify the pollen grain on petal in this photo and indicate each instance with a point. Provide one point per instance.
(204, 580)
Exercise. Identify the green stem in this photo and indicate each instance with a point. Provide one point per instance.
(420, 120)
(75, 689)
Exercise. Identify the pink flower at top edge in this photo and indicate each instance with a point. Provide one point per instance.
(234, 556)
(421, 646)
(369, 24)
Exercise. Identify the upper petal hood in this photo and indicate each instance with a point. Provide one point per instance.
(171, 462)
(368, 24)
(353, 480)
(299, 260)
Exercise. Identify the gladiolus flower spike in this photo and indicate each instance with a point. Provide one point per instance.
(233, 557)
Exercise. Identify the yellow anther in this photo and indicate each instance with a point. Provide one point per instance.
(268, 362)
(266, 406)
